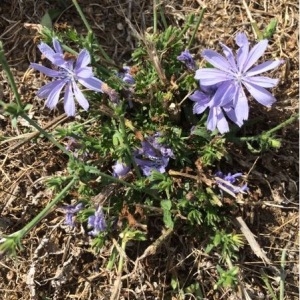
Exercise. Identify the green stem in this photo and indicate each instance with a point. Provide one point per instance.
(283, 124)
(89, 29)
(45, 133)
(155, 5)
(163, 18)
(196, 28)
(128, 150)
(82, 16)
(282, 275)
(121, 260)
(47, 209)
(186, 27)
(10, 76)
(12, 242)
(266, 133)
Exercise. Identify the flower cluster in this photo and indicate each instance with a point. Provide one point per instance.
(70, 211)
(97, 222)
(225, 183)
(76, 148)
(125, 75)
(68, 71)
(222, 87)
(153, 155)
(188, 60)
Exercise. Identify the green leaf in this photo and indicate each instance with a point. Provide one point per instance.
(270, 29)
(46, 20)
(167, 218)
(166, 205)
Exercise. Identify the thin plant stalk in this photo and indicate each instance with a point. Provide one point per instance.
(282, 275)
(10, 76)
(163, 18)
(287, 122)
(155, 20)
(128, 150)
(45, 133)
(89, 29)
(82, 16)
(196, 27)
(13, 241)
(48, 208)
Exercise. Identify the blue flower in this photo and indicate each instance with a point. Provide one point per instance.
(97, 222)
(126, 76)
(232, 74)
(188, 60)
(226, 183)
(70, 211)
(153, 155)
(120, 169)
(67, 73)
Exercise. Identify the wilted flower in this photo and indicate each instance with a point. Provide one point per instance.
(225, 183)
(188, 60)
(70, 211)
(76, 147)
(97, 222)
(126, 76)
(68, 72)
(233, 73)
(120, 169)
(153, 155)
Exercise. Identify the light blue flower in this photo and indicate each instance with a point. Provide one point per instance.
(67, 74)
(226, 183)
(187, 59)
(70, 211)
(120, 169)
(232, 74)
(97, 222)
(153, 155)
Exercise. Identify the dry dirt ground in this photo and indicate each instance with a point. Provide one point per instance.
(64, 265)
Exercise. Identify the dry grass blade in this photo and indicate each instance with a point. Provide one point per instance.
(252, 241)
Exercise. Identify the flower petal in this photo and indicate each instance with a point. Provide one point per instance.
(224, 93)
(83, 59)
(222, 123)
(49, 72)
(262, 81)
(84, 72)
(69, 103)
(230, 113)
(242, 54)
(241, 39)
(265, 66)
(53, 96)
(260, 94)
(217, 60)
(212, 119)
(47, 51)
(255, 53)
(241, 106)
(199, 96)
(80, 97)
(210, 76)
(45, 90)
(92, 83)
(230, 57)
(56, 45)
